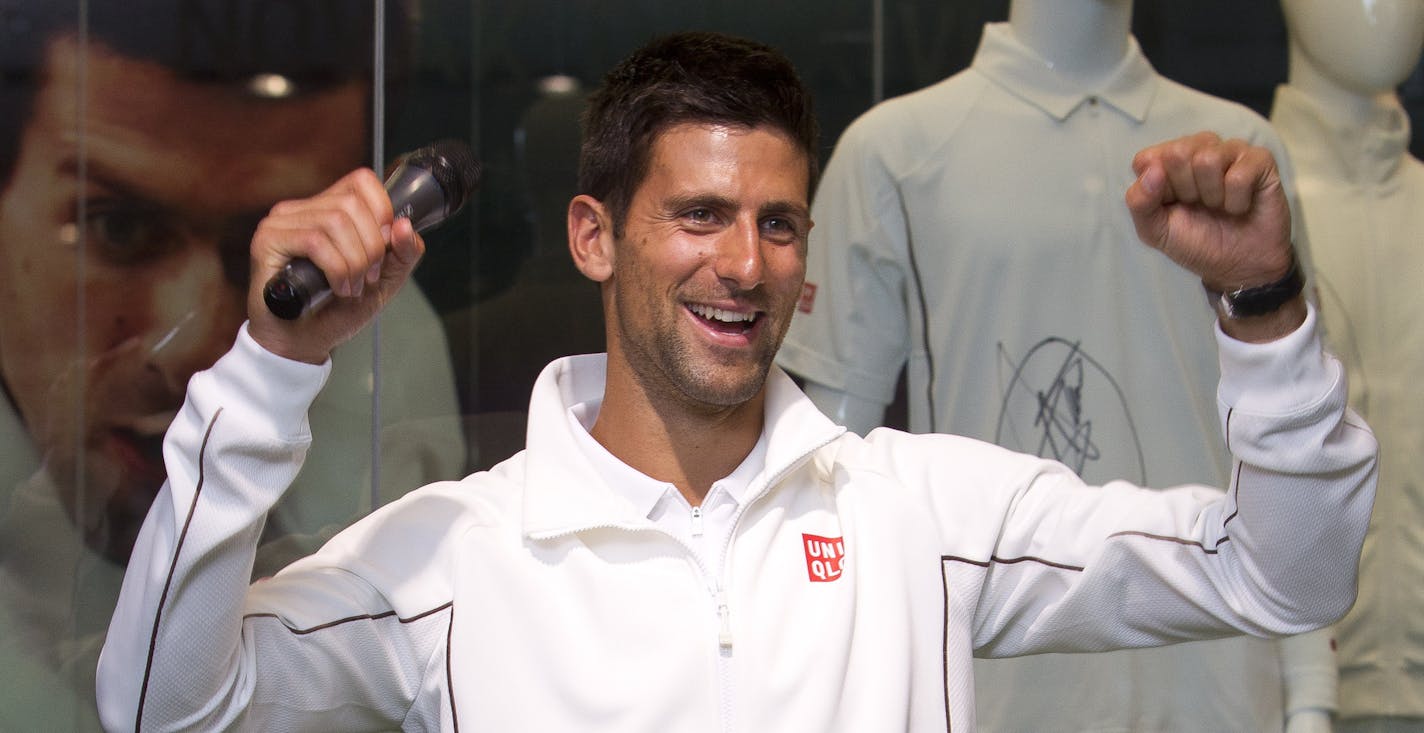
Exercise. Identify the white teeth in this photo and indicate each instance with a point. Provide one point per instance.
(717, 314)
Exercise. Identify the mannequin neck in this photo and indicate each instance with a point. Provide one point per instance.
(1084, 40)
(1349, 107)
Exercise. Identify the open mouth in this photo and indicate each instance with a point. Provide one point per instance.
(140, 454)
(725, 321)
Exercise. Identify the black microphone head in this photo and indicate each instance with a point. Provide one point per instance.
(454, 167)
(428, 185)
(431, 184)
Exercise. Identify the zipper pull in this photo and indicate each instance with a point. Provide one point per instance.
(697, 521)
(724, 622)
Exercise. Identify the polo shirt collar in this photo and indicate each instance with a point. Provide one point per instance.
(1015, 67)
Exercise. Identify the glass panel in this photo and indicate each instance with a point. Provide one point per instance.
(47, 639)
(142, 142)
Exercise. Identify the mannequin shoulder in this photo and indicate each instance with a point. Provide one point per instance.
(1226, 117)
(911, 127)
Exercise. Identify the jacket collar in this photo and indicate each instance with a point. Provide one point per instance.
(563, 491)
(1011, 65)
(1329, 148)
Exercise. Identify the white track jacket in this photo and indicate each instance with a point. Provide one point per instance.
(860, 576)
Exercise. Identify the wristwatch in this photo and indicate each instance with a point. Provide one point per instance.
(1261, 299)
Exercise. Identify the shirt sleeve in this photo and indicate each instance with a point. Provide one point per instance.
(851, 329)
(187, 633)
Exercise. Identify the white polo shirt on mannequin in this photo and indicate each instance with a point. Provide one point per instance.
(1363, 199)
(975, 231)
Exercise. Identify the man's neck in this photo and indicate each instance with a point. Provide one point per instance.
(688, 447)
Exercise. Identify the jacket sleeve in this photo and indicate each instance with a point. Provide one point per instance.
(188, 633)
(1079, 568)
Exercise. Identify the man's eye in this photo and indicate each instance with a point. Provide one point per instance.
(780, 228)
(127, 234)
(702, 216)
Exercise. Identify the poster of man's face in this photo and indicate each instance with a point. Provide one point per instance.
(125, 219)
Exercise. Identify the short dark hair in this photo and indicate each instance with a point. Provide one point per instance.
(698, 77)
(315, 43)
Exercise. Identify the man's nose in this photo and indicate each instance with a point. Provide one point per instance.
(196, 318)
(739, 256)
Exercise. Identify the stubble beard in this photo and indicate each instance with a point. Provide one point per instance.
(669, 366)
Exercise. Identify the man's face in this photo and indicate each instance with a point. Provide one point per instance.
(707, 273)
(124, 271)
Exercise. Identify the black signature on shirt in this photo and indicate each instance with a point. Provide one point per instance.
(1070, 381)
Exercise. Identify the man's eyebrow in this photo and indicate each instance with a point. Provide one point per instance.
(139, 199)
(714, 201)
(785, 208)
(96, 172)
(680, 202)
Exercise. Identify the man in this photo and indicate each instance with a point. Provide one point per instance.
(135, 161)
(686, 542)
(922, 262)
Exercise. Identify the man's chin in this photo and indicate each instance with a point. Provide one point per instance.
(113, 526)
(732, 390)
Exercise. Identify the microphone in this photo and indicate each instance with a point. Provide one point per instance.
(428, 186)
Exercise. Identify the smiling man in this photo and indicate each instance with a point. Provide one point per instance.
(701, 273)
(686, 543)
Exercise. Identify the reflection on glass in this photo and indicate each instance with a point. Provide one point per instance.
(134, 165)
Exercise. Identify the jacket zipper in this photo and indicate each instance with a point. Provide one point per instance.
(715, 582)
(724, 613)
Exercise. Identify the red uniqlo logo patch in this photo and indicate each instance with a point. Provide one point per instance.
(824, 557)
(808, 297)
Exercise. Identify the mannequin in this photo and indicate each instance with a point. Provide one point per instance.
(1342, 122)
(1026, 313)
(1083, 42)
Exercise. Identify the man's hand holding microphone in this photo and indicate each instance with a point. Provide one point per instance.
(324, 266)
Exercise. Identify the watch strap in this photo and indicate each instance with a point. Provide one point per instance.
(1260, 299)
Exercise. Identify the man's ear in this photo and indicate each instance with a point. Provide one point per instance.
(591, 237)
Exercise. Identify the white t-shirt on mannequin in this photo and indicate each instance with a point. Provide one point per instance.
(1363, 199)
(983, 217)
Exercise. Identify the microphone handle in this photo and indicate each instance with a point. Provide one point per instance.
(300, 286)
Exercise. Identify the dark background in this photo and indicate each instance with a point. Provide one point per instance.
(499, 275)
